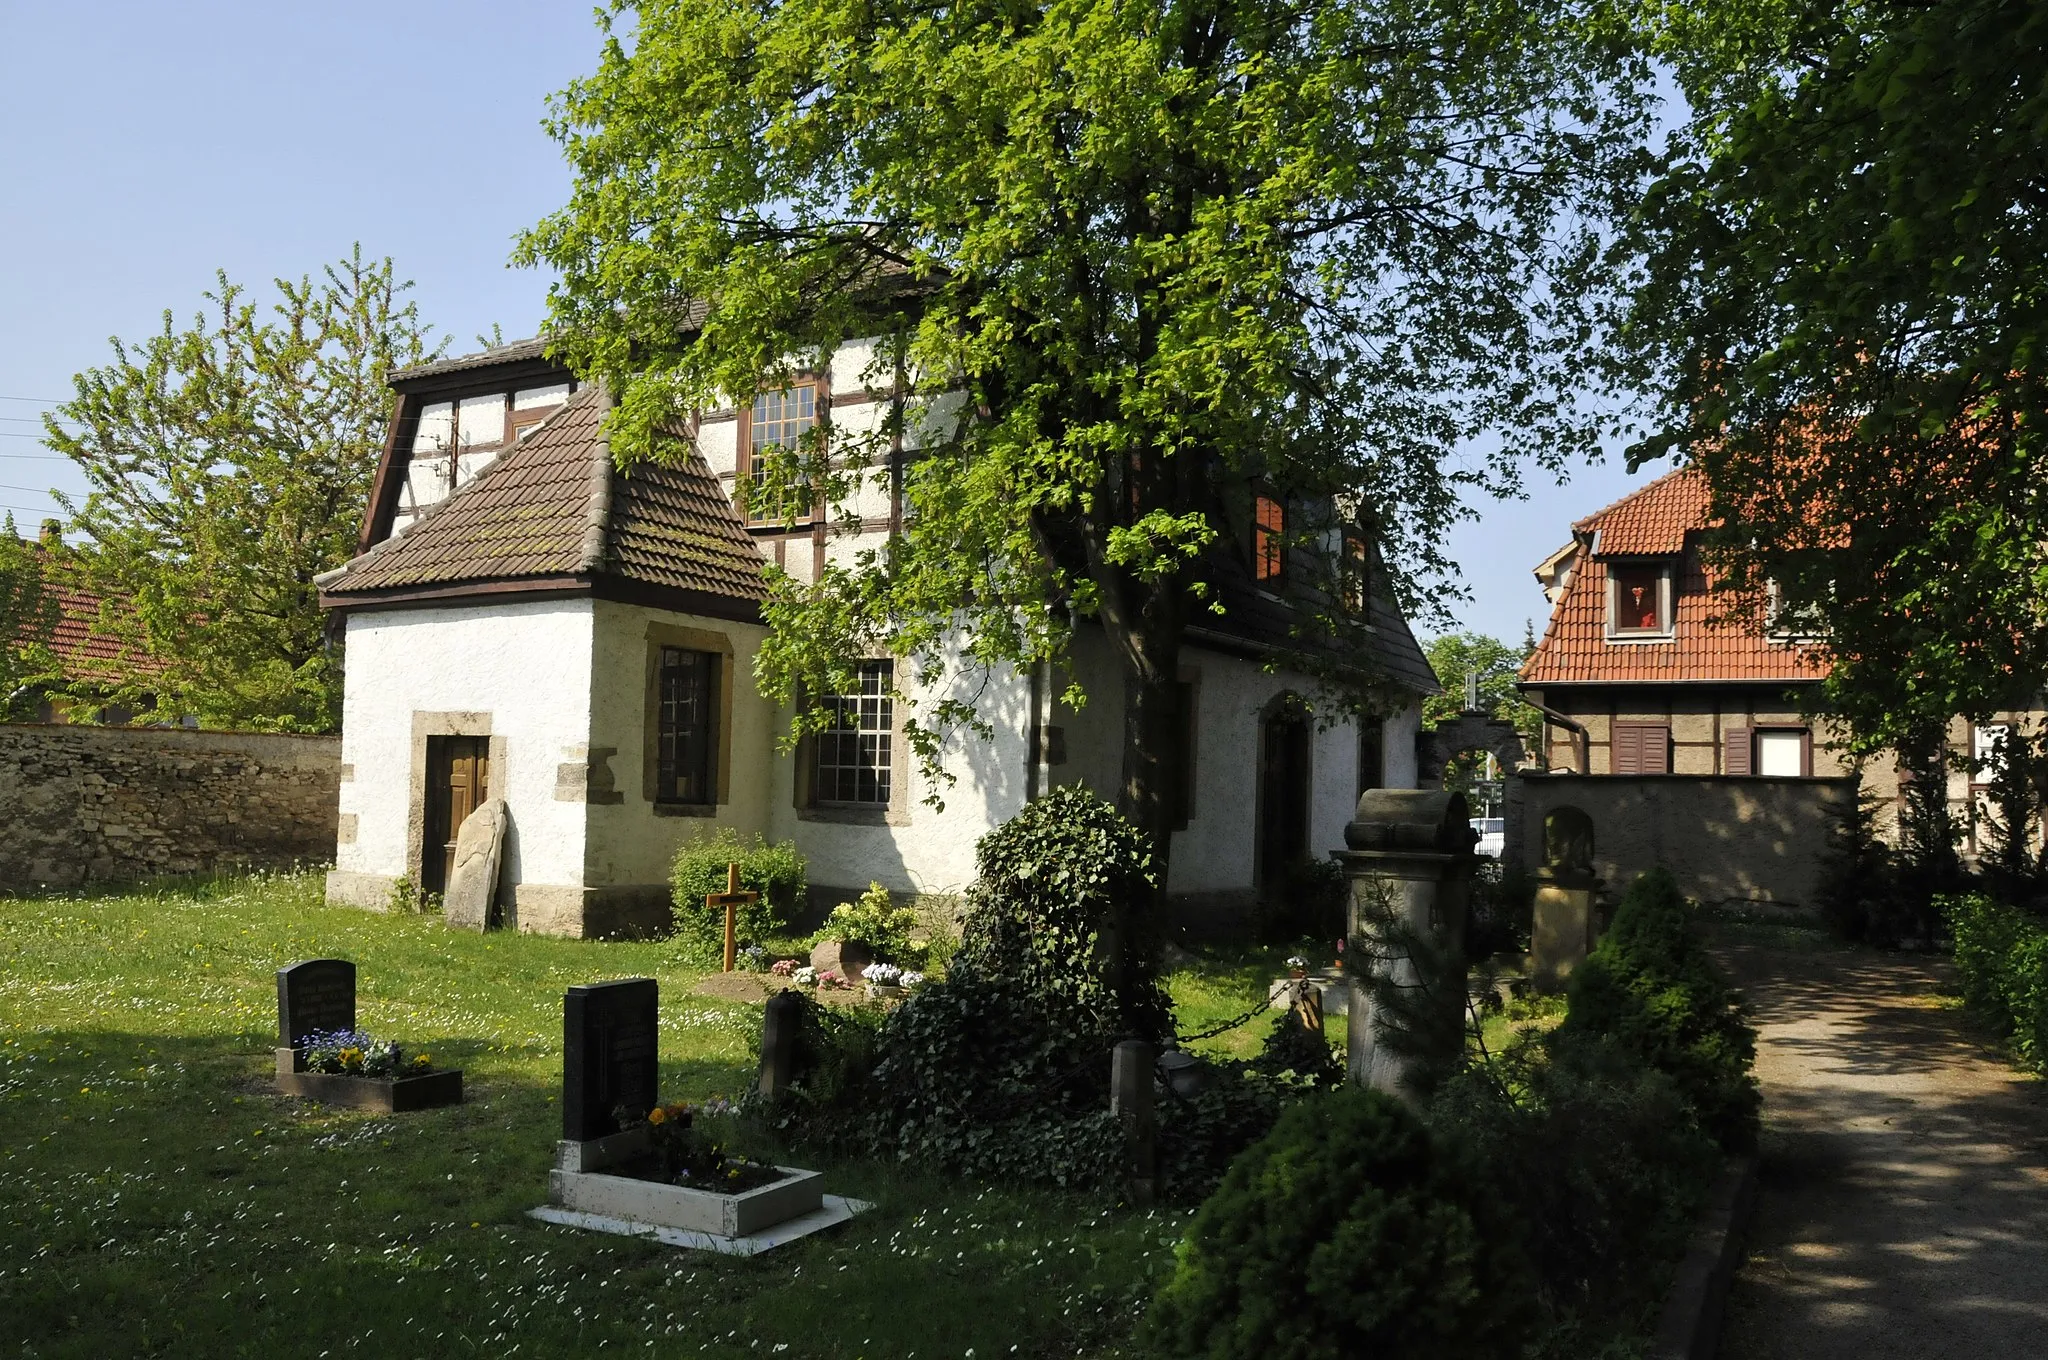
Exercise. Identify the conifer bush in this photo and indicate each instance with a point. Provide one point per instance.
(1650, 988)
(1345, 1232)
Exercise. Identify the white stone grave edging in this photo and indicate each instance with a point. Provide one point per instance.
(834, 1211)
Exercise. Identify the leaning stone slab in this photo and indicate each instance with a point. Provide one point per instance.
(474, 884)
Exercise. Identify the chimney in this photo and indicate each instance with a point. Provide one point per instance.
(52, 535)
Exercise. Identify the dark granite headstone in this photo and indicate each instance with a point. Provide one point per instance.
(610, 1033)
(314, 995)
(781, 1025)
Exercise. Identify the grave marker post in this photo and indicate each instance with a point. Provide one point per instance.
(732, 899)
(1130, 1103)
(783, 1019)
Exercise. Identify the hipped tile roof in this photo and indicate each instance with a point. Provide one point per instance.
(1659, 520)
(553, 508)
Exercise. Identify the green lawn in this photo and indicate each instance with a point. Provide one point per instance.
(156, 1198)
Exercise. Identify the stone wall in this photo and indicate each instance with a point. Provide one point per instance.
(1726, 838)
(108, 804)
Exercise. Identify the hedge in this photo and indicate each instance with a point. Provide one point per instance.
(2002, 954)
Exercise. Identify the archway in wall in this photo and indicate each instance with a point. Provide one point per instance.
(1449, 752)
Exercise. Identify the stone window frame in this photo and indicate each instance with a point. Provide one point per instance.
(663, 635)
(425, 724)
(896, 812)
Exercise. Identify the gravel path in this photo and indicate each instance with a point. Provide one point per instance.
(1903, 1205)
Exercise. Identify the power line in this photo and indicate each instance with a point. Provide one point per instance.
(38, 401)
(39, 457)
(37, 490)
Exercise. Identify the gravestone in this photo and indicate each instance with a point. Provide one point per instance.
(610, 1034)
(844, 957)
(1561, 923)
(1131, 1069)
(473, 885)
(1409, 863)
(314, 995)
(780, 1028)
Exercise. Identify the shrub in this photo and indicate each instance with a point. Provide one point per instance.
(776, 872)
(1859, 891)
(2002, 956)
(1054, 885)
(1650, 988)
(1344, 1232)
(1503, 910)
(981, 1078)
(1602, 1161)
(1312, 903)
(876, 921)
(1200, 1136)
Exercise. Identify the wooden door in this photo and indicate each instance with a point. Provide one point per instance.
(1283, 794)
(458, 781)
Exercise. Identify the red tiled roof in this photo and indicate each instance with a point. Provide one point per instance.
(84, 651)
(1657, 520)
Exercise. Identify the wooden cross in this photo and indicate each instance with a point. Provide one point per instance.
(732, 899)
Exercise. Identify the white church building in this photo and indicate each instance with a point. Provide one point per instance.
(528, 623)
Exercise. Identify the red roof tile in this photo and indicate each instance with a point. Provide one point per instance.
(1659, 520)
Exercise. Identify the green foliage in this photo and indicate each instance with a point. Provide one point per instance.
(229, 463)
(1344, 1232)
(1600, 1160)
(1311, 903)
(1650, 988)
(1294, 1054)
(775, 872)
(1860, 895)
(876, 921)
(2001, 955)
(407, 899)
(2019, 772)
(1453, 656)
(1164, 251)
(28, 615)
(1051, 884)
(1502, 912)
(1842, 316)
(1202, 1135)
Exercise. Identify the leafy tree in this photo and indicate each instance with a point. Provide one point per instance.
(1165, 250)
(28, 614)
(229, 463)
(1453, 656)
(1846, 307)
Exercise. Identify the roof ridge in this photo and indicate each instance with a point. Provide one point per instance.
(597, 515)
(1586, 521)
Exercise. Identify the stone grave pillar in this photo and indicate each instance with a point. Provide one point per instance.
(1561, 931)
(314, 996)
(1410, 869)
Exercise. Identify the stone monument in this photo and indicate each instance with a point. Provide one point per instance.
(473, 885)
(611, 1032)
(1410, 867)
(1562, 928)
(314, 996)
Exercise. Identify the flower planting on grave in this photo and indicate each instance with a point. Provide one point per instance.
(684, 1154)
(878, 923)
(351, 1052)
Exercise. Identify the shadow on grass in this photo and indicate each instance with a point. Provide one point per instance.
(156, 1198)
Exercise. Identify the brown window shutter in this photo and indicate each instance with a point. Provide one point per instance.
(1736, 745)
(1806, 752)
(1656, 749)
(1626, 749)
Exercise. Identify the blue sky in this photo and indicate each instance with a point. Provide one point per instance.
(149, 145)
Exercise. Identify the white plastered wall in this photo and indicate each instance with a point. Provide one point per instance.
(629, 844)
(527, 666)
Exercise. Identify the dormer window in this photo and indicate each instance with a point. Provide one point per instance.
(1639, 600)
